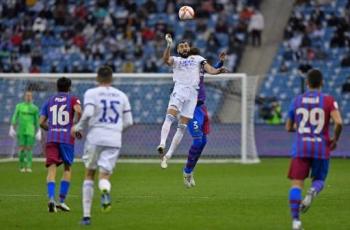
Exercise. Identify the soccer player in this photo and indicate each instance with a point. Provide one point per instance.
(309, 117)
(26, 120)
(198, 127)
(57, 117)
(183, 99)
(108, 112)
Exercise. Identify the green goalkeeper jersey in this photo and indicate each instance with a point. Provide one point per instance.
(26, 118)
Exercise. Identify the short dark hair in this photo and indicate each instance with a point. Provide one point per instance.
(314, 78)
(63, 84)
(104, 74)
(182, 41)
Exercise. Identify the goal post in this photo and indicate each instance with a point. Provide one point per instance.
(230, 102)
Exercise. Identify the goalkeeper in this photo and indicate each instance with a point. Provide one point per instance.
(25, 126)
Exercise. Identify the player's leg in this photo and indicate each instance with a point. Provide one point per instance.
(298, 171)
(180, 131)
(186, 109)
(52, 161)
(21, 152)
(198, 128)
(169, 119)
(106, 164)
(319, 172)
(30, 140)
(91, 153)
(67, 155)
(88, 194)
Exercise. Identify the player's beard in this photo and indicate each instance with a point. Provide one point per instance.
(184, 55)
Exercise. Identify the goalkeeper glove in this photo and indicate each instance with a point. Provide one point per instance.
(38, 135)
(169, 40)
(12, 132)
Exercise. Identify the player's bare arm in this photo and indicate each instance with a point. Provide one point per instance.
(86, 115)
(43, 123)
(211, 70)
(166, 55)
(290, 126)
(338, 127)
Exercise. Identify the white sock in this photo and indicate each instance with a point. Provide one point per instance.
(104, 184)
(88, 193)
(176, 140)
(169, 119)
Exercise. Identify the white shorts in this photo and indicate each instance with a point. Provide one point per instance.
(185, 100)
(103, 157)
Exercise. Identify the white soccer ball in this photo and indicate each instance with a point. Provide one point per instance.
(186, 13)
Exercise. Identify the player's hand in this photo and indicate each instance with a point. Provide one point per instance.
(12, 132)
(222, 56)
(75, 133)
(169, 40)
(223, 70)
(38, 135)
(333, 144)
(78, 135)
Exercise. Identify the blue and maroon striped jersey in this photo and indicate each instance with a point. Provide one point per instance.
(311, 112)
(60, 113)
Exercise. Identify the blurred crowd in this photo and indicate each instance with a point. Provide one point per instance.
(309, 37)
(78, 36)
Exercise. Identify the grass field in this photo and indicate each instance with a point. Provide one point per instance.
(227, 196)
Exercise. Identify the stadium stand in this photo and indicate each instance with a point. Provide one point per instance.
(77, 36)
(316, 36)
(65, 36)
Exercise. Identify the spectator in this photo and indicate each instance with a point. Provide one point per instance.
(276, 115)
(39, 25)
(346, 86)
(345, 62)
(256, 26)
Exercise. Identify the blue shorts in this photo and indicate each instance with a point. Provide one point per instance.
(301, 168)
(58, 153)
(199, 124)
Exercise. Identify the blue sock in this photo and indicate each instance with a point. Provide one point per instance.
(318, 185)
(51, 190)
(194, 153)
(294, 202)
(64, 190)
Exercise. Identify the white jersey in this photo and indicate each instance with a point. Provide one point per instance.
(111, 110)
(186, 71)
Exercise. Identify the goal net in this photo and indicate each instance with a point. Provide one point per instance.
(230, 101)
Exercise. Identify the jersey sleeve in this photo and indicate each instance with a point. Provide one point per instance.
(333, 105)
(202, 60)
(14, 116)
(75, 101)
(219, 64)
(127, 115)
(291, 111)
(44, 109)
(36, 117)
(89, 98)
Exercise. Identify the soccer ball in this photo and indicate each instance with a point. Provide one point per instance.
(186, 13)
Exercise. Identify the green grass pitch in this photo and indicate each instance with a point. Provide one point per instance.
(227, 196)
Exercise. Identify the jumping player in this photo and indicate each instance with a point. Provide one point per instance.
(309, 117)
(57, 117)
(107, 111)
(198, 127)
(26, 120)
(183, 99)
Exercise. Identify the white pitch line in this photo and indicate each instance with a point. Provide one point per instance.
(118, 197)
(144, 161)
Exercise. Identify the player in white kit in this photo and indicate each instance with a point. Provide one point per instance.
(107, 112)
(183, 99)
